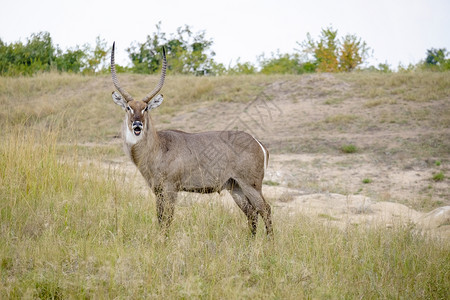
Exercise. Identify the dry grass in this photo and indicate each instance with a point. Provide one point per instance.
(82, 105)
(75, 230)
(417, 86)
(69, 233)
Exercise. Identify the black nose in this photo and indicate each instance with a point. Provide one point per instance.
(137, 124)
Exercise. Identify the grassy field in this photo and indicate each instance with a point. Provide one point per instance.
(73, 228)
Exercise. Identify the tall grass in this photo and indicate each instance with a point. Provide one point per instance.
(74, 231)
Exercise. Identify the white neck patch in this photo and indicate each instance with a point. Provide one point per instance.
(130, 137)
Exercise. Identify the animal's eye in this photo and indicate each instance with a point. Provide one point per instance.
(128, 108)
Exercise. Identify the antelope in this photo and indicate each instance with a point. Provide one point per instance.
(172, 160)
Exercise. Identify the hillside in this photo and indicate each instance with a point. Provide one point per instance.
(397, 125)
(358, 180)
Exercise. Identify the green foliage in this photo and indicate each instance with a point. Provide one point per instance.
(282, 64)
(97, 57)
(187, 53)
(242, 68)
(39, 54)
(437, 59)
(191, 53)
(331, 54)
(71, 60)
(436, 56)
(405, 69)
(382, 68)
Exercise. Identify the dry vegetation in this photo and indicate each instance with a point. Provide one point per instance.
(75, 222)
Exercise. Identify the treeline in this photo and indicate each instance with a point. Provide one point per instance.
(39, 54)
(191, 52)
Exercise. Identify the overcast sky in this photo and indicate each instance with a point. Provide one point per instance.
(398, 31)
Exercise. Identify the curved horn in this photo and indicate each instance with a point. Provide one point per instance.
(161, 80)
(124, 93)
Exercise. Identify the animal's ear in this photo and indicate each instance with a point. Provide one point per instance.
(118, 99)
(155, 102)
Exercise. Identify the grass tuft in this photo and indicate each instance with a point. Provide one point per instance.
(271, 183)
(439, 176)
(350, 148)
(366, 180)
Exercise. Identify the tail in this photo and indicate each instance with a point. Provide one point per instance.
(266, 158)
(266, 154)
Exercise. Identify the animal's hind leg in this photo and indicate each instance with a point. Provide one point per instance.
(257, 200)
(243, 203)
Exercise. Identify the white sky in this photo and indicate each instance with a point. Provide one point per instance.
(396, 30)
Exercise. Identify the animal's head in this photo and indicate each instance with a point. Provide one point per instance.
(137, 110)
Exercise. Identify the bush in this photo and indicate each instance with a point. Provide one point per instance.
(283, 64)
(242, 68)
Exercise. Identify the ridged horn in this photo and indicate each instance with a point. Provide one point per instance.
(124, 93)
(156, 90)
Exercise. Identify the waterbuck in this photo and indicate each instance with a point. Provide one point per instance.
(205, 162)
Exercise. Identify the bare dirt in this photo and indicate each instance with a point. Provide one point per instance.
(305, 122)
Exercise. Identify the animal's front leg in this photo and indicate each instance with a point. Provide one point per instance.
(165, 206)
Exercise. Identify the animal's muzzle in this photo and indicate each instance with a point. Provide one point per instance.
(137, 127)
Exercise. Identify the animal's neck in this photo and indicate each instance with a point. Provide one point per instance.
(142, 147)
(150, 135)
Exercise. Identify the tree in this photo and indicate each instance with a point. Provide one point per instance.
(436, 56)
(325, 51)
(330, 54)
(353, 52)
(38, 54)
(72, 60)
(187, 52)
(97, 57)
(437, 59)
